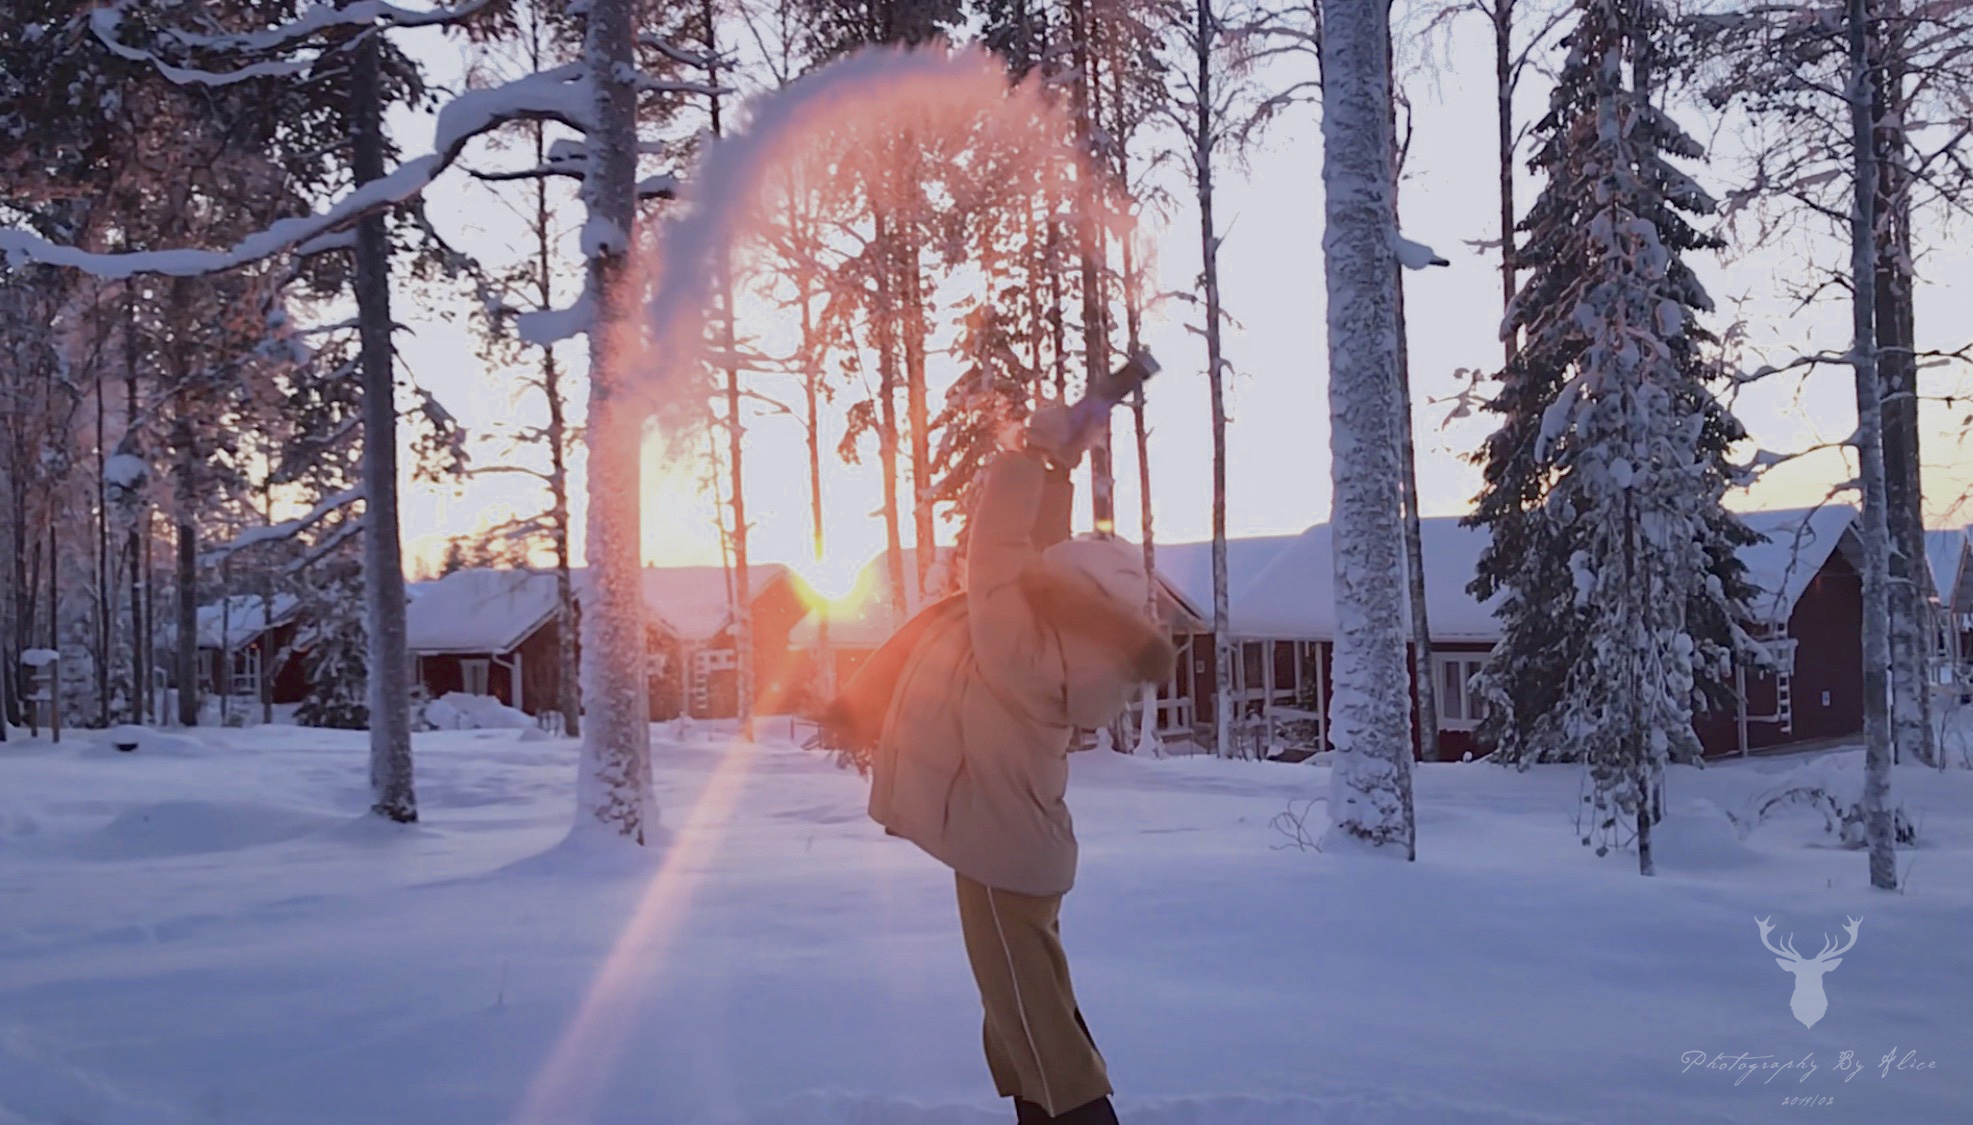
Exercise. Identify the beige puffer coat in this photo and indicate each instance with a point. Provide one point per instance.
(972, 762)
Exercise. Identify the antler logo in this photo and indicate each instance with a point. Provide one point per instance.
(1808, 1003)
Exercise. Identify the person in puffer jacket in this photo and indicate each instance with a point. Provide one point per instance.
(971, 763)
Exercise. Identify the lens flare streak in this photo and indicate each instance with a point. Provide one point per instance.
(587, 1053)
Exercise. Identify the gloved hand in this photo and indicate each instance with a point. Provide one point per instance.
(1060, 433)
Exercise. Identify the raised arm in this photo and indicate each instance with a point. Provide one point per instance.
(1002, 537)
(1008, 532)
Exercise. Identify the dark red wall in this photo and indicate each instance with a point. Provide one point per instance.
(442, 673)
(1827, 625)
(541, 660)
(290, 678)
(781, 674)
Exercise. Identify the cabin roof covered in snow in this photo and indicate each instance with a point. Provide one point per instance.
(1799, 542)
(1189, 567)
(1293, 596)
(243, 617)
(479, 609)
(692, 601)
(862, 619)
(483, 609)
(1946, 552)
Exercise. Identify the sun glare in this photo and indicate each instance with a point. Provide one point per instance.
(832, 582)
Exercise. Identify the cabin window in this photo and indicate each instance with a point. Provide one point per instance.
(473, 676)
(1287, 666)
(1460, 706)
(245, 672)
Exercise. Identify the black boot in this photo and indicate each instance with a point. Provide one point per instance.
(1028, 1113)
(1098, 1112)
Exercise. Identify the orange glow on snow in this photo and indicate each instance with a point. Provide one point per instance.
(579, 1068)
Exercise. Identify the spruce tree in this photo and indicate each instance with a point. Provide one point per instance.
(1615, 559)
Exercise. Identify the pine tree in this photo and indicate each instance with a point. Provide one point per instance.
(1616, 559)
(992, 393)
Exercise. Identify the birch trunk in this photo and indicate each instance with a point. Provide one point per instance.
(392, 794)
(1897, 365)
(1877, 823)
(615, 785)
(812, 393)
(916, 407)
(187, 557)
(742, 608)
(1093, 249)
(887, 437)
(105, 581)
(140, 656)
(1148, 738)
(1370, 800)
(1204, 30)
(1424, 687)
(1503, 76)
(568, 693)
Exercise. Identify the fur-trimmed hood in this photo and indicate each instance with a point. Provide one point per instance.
(1093, 621)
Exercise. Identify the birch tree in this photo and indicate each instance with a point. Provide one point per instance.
(1370, 712)
(614, 792)
(1878, 823)
(1788, 69)
(1218, 111)
(533, 285)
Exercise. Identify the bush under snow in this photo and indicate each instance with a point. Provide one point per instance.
(1833, 786)
(455, 710)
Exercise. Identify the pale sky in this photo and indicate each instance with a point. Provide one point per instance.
(1271, 263)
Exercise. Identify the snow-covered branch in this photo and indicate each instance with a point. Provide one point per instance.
(697, 60)
(286, 529)
(561, 94)
(344, 532)
(548, 326)
(313, 22)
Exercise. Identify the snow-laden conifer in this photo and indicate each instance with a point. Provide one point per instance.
(1612, 550)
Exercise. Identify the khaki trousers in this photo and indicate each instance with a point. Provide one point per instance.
(1037, 1046)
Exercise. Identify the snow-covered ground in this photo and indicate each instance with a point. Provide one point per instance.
(208, 930)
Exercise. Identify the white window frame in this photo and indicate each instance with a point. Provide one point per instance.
(477, 666)
(1468, 665)
(243, 672)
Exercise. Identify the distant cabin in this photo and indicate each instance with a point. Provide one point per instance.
(493, 632)
(247, 646)
(1281, 622)
(692, 606)
(1949, 557)
(853, 627)
(1808, 612)
(487, 631)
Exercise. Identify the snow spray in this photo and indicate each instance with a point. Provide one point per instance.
(843, 122)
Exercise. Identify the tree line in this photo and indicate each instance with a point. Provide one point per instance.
(208, 222)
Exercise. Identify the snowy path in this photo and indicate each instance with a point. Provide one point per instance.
(205, 934)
